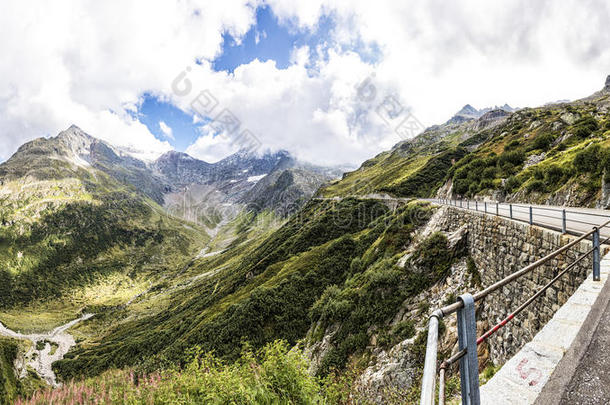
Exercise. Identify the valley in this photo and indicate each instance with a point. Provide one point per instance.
(197, 270)
(46, 348)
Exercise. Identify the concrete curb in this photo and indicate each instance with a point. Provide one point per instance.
(564, 372)
(540, 371)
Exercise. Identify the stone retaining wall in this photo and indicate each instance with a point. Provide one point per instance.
(500, 247)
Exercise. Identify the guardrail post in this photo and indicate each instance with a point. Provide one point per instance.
(460, 203)
(531, 216)
(596, 254)
(467, 339)
(428, 381)
(468, 204)
(476, 205)
(563, 221)
(485, 207)
(497, 209)
(510, 208)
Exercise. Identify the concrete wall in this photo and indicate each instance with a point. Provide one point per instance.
(500, 247)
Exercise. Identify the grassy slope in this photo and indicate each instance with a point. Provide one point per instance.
(499, 163)
(574, 138)
(73, 239)
(260, 290)
(391, 169)
(273, 375)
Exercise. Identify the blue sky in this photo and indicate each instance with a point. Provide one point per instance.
(266, 40)
(433, 58)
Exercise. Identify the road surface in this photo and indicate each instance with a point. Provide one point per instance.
(578, 220)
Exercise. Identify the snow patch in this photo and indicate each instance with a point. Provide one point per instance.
(255, 179)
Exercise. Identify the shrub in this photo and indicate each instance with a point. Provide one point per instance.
(461, 186)
(553, 175)
(433, 254)
(543, 141)
(404, 330)
(473, 189)
(585, 126)
(512, 184)
(471, 268)
(489, 173)
(537, 173)
(508, 168)
(515, 157)
(587, 160)
(512, 145)
(486, 184)
(536, 186)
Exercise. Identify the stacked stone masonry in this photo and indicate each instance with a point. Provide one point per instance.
(500, 247)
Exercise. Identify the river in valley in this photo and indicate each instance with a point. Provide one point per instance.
(47, 348)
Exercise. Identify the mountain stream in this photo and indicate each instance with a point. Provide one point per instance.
(53, 346)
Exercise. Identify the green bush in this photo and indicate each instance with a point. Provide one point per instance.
(471, 268)
(512, 184)
(489, 173)
(543, 141)
(486, 184)
(588, 159)
(537, 173)
(461, 186)
(553, 175)
(536, 186)
(512, 145)
(515, 157)
(585, 126)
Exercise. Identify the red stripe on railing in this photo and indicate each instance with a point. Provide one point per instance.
(495, 329)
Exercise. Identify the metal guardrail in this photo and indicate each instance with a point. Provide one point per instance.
(465, 308)
(533, 213)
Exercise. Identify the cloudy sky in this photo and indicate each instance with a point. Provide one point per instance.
(330, 81)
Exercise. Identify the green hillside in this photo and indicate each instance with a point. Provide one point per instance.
(342, 280)
(557, 153)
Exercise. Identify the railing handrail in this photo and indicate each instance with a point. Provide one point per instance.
(449, 309)
(533, 210)
(430, 366)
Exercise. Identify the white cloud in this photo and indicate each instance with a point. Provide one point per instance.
(89, 63)
(167, 130)
(211, 149)
(441, 55)
(85, 62)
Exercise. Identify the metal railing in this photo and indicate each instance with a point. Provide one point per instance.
(466, 322)
(565, 220)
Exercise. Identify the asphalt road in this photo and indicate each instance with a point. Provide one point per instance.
(590, 383)
(578, 220)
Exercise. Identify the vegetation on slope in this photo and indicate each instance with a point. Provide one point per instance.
(263, 294)
(11, 386)
(557, 153)
(274, 374)
(69, 247)
(575, 160)
(271, 375)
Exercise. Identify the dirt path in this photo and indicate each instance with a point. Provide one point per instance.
(56, 344)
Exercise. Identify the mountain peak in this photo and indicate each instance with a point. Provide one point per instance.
(175, 155)
(73, 130)
(467, 110)
(468, 113)
(76, 140)
(607, 86)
